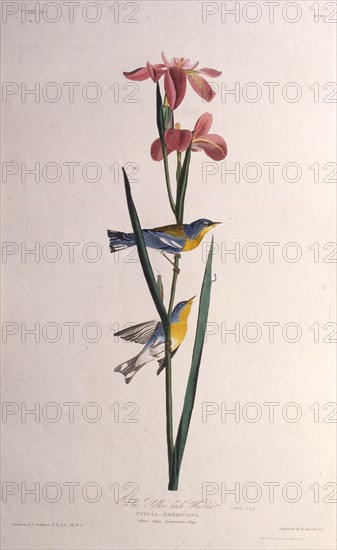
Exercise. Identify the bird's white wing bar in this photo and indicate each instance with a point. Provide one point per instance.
(170, 242)
(158, 350)
(140, 334)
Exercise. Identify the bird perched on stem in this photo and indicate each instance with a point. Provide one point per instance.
(172, 239)
(152, 335)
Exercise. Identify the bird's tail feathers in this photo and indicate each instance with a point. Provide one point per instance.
(119, 240)
(162, 365)
(162, 362)
(128, 369)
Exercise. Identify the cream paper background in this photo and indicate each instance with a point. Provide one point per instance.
(113, 451)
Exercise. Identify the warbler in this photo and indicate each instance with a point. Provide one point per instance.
(152, 335)
(172, 239)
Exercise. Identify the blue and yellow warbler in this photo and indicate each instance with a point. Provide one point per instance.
(172, 239)
(152, 335)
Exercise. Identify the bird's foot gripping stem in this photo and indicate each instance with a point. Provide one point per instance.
(176, 259)
(175, 268)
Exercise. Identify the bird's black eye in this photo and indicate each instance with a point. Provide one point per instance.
(205, 224)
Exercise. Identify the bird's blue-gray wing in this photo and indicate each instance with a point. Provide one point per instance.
(140, 334)
(163, 241)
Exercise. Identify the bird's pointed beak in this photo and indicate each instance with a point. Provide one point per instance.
(217, 223)
(191, 299)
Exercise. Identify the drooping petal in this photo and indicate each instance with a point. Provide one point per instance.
(210, 72)
(200, 86)
(202, 126)
(177, 140)
(214, 146)
(150, 70)
(138, 74)
(155, 71)
(175, 86)
(156, 152)
(165, 60)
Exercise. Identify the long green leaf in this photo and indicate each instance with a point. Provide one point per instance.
(160, 287)
(143, 255)
(182, 186)
(194, 373)
(164, 115)
(160, 122)
(155, 293)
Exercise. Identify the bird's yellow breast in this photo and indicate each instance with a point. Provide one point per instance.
(178, 333)
(179, 329)
(190, 244)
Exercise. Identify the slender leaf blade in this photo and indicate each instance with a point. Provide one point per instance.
(160, 287)
(143, 255)
(182, 185)
(194, 373)
(160, 122)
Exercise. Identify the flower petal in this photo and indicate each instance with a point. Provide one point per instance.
(175, 86)
(156, 152)
(190, 66)
(210, 72)
(165, 60)
(177, 140)
(187, 65)
(200, 86)
(202, 126)
(213, 145)
(138, 74)
(155, 71)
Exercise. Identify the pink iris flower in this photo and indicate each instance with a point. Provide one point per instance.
(178, 140)
(177, 72)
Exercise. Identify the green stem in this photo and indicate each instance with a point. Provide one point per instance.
(174, 283)
(181, 189)
(182, 179)
(178, 167)
(169, 404)
(168, 369)
(164, 114)
(167, 178)
(168, 391)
